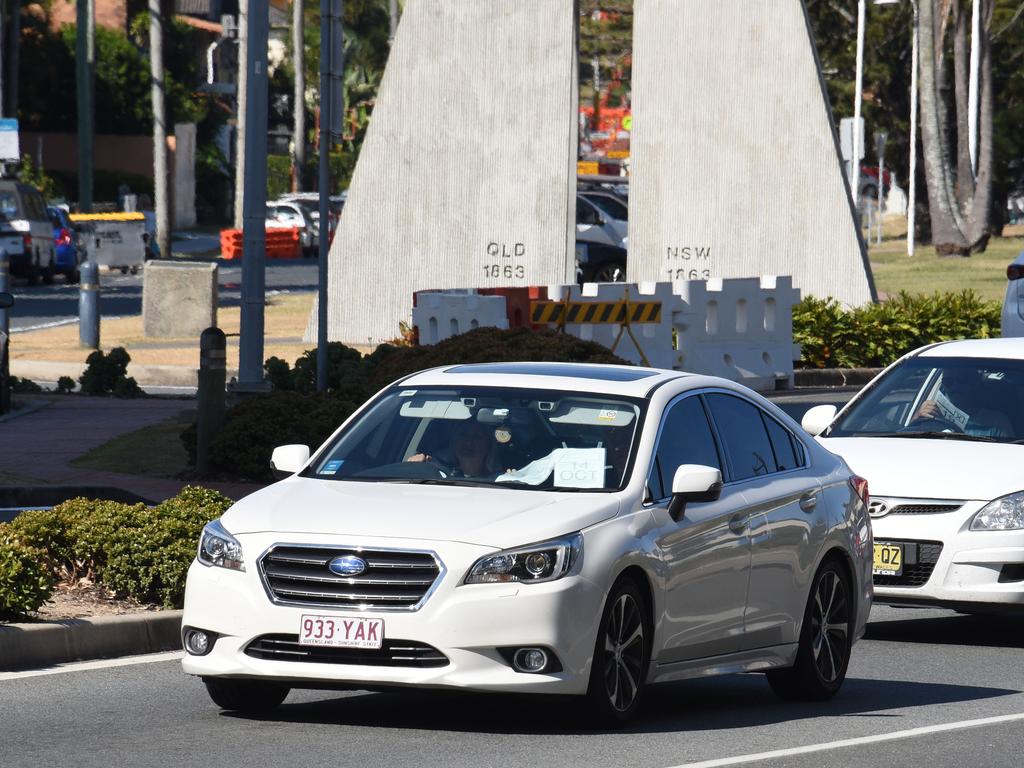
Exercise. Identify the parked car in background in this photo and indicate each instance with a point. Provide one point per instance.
(67, 254)
(940, 434)
(1013, 301)
(611, 204)
(596, 226)
(599, 262)
(542, 528)
(311, 200)
(26, 232)
(294, 215)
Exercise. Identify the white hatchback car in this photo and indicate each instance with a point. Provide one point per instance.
(540, 528)
(939, 434)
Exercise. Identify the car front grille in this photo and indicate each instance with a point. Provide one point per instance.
(393, 653)
(881, 507)
(392, 579)
(924, 509)
(919, 559)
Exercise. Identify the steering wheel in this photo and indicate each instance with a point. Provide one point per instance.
(940, 422)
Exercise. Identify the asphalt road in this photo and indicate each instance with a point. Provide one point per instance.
(121, 295)
(930, 670)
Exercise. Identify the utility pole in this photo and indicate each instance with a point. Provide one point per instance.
(156, 66)
(393, 8)
(912, 181)
(857, 98)
(241, 92)
(254, 201)
(85, 68)
(973, 85)
(298, 52)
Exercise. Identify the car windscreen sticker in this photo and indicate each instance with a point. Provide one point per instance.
(407, 393)
(332, 467)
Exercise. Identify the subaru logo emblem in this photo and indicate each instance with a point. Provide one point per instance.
(347, 565)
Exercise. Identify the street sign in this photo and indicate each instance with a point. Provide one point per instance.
(9, 149)
(846, 138)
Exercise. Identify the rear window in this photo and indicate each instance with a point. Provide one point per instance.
(8, 204)
(33, 207)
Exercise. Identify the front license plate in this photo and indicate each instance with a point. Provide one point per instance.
(888, 559)
(341, 632)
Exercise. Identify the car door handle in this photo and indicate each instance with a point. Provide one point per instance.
(809, 501)
(738, 523)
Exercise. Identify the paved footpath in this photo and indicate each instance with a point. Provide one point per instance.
(37, 448)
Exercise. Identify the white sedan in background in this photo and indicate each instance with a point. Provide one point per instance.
(538, 528)
(939, 435)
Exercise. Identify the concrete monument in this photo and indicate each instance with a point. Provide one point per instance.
(735, 165)
(467, 174)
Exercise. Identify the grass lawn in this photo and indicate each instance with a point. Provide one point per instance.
(153, 451)
(985, 273)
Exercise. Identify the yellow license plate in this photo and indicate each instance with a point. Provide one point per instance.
(888, 560)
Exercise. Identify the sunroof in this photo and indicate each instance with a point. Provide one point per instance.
(596, 372)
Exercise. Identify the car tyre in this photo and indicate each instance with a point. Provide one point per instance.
(32, 274)
(47, 275)
(621, 656)
(72, 276)
(825, 640)
(610, 272)
(250, 697)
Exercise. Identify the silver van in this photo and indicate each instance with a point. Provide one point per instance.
(26, 232)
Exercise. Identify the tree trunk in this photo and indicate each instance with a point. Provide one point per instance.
(959, 201)
(13, 59)
(299, 107)
(242, 93)
(157, 90)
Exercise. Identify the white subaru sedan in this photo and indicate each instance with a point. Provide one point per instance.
(538, 528)
(940, 434)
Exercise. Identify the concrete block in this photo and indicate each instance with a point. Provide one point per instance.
(467, 175)
(735, 166)
(179, 298)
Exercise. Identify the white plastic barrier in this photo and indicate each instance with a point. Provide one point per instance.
(739, 329)
(439, 315)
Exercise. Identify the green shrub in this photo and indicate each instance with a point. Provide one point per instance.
(25, 581)
(108, 374)
(279, 176)
(65, 385)
(24, 386)
(137, 551)
(875, 335)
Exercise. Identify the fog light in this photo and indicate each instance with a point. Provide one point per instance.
(530, 660)
(197, 642)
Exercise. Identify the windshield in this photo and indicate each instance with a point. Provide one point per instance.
(504, 437)
(951, 398)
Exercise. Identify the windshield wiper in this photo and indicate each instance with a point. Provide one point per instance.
(935, 436)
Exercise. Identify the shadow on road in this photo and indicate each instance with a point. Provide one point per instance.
(985, 631)
(699, 705)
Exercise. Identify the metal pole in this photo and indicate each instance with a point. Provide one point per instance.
(240, 110)
(299, 108)
(912, 183)
(5, 339)
(89, 305)
(393, 8)
(13, 58)
(159, 104)
(325, 191)
(857, 97)
(84, 68)
(254, 205)
(881, 190)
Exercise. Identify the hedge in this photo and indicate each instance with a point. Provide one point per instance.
(874, 335)
(25, 581)
(137, 551)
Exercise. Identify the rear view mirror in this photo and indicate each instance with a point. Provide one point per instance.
(6, 301)
(694, 483)
(288, 459)
(817, 420)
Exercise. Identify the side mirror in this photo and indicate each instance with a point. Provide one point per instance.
(816, 420)
(694, 483)
(6, 301)
(288, 459)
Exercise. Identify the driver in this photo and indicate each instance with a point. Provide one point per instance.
(468, 449)
(960, 403)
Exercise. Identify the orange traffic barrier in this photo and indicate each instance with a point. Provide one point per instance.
(281, 243)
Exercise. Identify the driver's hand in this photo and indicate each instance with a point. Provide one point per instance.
(420, 457)
(929, 410)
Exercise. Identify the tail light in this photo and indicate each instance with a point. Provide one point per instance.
(860, 487)
(1014, 272)
(26, 239)
(64, 238)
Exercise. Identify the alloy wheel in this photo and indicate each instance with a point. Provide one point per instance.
(830, 623)
(624, 652)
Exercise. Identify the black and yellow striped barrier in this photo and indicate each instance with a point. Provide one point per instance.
(595, 312)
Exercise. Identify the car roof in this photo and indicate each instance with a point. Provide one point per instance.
(1012, 349)
(623, 380)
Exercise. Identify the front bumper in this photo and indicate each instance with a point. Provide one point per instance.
(979, 568)
(468, 624)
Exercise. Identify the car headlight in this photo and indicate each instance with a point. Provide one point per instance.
(219, 548)
(1003, 514)
(546, 561)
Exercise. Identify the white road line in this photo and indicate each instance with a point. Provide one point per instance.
(855, 742)
(82, 666)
